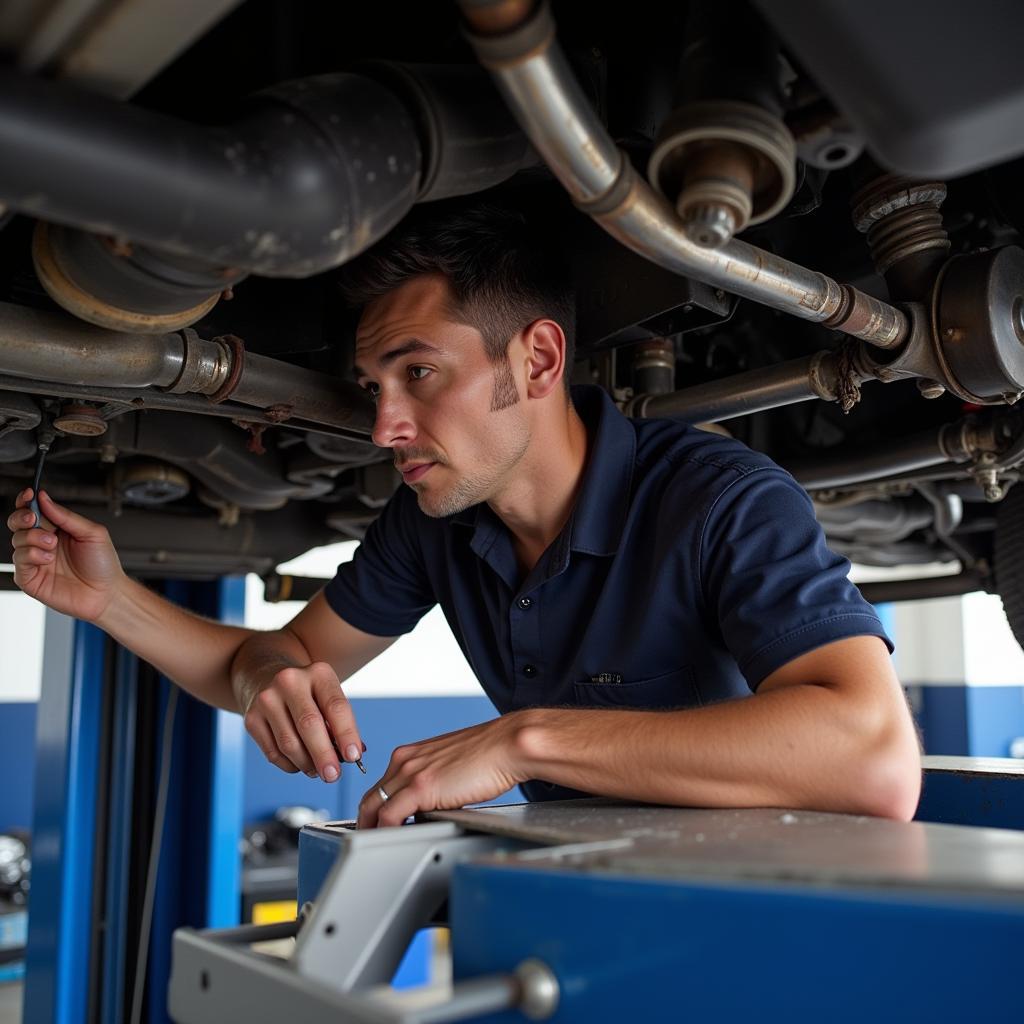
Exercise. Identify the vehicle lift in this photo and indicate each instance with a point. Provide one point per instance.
(136, 824)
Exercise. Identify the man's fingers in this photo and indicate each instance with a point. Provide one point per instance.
(297, 687)
(33, 539)
(25, 571)
(289, 743)
(404, 804)
(269, 707)
(70, 522)
(264, 738)
(31, 558)
(337, 712)
(22, 516)
(369, 807)
(403, 800)
(312, 730)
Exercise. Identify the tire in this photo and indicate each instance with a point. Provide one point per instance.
(1008, 559)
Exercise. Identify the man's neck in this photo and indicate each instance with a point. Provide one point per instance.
(537, 503)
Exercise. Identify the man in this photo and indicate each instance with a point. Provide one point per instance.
(651, 607)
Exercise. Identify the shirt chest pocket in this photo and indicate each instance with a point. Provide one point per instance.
(674, 689)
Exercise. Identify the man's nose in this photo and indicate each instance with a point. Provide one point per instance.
(393, 425)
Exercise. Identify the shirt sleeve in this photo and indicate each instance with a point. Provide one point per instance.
(385, 590)
(777, 589)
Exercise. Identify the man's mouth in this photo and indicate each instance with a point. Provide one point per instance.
(410, 474)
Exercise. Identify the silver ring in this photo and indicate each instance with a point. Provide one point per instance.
(383, 794)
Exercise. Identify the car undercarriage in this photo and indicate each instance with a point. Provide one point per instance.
(799, 223)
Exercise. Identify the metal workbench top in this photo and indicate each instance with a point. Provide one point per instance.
(755, 844)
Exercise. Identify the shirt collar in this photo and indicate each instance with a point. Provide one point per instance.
(599, 515)
(602, 504)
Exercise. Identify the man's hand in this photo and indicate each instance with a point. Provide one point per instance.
(286, 684)
(74, 570)
(465, 767)
(302, 720)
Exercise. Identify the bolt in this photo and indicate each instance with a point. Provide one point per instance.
(709, 225)
(539, 992)
(993, 493)
(81, 420)
(930, 388)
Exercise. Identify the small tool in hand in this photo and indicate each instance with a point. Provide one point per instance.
(45, 440)
(357, 762)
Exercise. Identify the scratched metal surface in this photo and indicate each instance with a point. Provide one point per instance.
(756, 844)
(973, 765)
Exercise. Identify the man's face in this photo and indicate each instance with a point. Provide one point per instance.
(452, 417)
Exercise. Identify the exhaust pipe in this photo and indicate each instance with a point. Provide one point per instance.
(827, 376)
(153, 217)
(520, 50)
(48, 346)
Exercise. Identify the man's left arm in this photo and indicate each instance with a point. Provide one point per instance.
(828, 731)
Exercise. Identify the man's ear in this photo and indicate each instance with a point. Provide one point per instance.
(544, 342)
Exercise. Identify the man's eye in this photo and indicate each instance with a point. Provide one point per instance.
(419, 372)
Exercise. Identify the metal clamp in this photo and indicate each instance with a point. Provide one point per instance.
(385, 886)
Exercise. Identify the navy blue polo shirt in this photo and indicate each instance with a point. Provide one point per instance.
(690, 569)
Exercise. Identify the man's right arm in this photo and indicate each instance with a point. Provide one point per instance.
(286, 683)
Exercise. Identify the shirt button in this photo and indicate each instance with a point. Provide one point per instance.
(529, 671)
(525, 602)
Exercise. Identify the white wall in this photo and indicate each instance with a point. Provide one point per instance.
(425, 663)
(21, 646)
(951, 640)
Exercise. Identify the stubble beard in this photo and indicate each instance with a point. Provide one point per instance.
(481, 485)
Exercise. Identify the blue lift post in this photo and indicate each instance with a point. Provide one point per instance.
(98, 771)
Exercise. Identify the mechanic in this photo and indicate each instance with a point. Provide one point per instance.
(651, 607)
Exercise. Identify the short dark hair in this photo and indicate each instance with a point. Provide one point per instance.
(503, 271)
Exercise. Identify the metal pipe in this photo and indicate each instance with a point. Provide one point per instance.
(846, 467)
(42, 346)
(473, 998)
(271, 384)
(277, 587)
(274, 193)
(37, 344)
(930, 586)
(769, 387)
(535, 78)
(246, 934)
